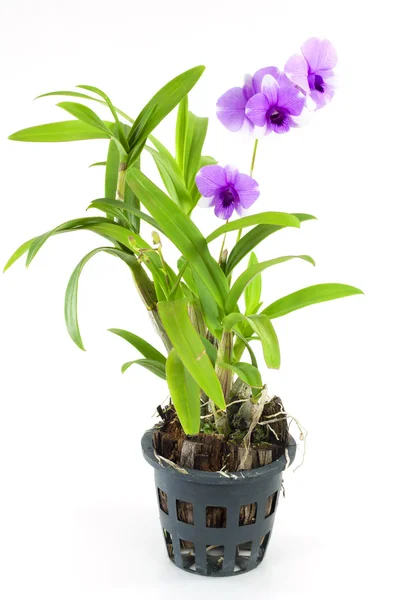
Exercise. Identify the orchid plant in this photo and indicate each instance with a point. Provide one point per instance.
(206, 316)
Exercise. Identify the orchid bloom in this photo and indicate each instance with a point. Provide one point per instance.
(226, 189)
(313, 71)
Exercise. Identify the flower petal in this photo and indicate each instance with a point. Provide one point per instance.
(247, 189)
(291, 98)
(221, 211)
(231, 173)
(230, 108)
(209, 179)
(256, 109)
(297, 70)
(260, 74)
(249, 89)
(269, 88)
(320, 54)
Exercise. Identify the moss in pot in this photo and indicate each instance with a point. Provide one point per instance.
(222, 444)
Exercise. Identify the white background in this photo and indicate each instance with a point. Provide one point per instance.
(78, 516)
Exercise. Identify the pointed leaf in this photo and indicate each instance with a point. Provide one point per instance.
(253, 238)
(63, 131)
(154, 367)
(247, 276)
(195, 137)
(71, 298)
(165, 100)
(253, 289)
(189, 347)
(185, 394)
(262, 325)
(310, 295)
(267, 218)
(249, 374)
(146, 349)
(85, 114)
(181, 128)
(102, 203)
(112, 171)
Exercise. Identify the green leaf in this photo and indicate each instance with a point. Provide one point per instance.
(253, 289)
(102, 203)
(266, 218)
(67, 93)
(231, 320)
(195, 137)
(262, 325)
(132, 202)
(245, 344)
(18, 253)
(146, 349)
(103, 95)
(253, 238)
(98, 164)
(73, 225)
(247, 276)
(164, 101)
(112, 213)
(310, 295)
(63, 131)
(112, 170)
(210, 309)
(185, 394)
(172, 179)
(153, 366)
(189, 347)
(179, 228)
(247, 373)
(210, 348)
(85, 114)
(71, 298)
(181, 129)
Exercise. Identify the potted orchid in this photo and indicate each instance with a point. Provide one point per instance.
(222, 442)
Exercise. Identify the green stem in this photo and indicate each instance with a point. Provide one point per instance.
(256, 143)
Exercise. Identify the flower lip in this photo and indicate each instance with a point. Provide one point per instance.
(316, 82)
(277, 116)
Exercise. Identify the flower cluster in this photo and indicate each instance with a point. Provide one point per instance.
(271, 100)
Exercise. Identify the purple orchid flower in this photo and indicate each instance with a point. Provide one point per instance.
(226, 189)
(230, 108)
(313, 71)
(276, 105)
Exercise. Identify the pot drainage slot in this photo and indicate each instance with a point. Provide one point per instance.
(163, 500)
(247, 514)
(169, 544)
(263, 547)
(216, 516)
(184, 511)
(215, 558)
(242, 556)
(188, 555)
(270, 507)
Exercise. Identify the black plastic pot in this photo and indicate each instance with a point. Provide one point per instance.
(233, 548)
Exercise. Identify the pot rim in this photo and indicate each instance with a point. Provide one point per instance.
(217, 478)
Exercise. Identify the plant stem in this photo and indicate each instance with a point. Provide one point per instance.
(256, 143)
